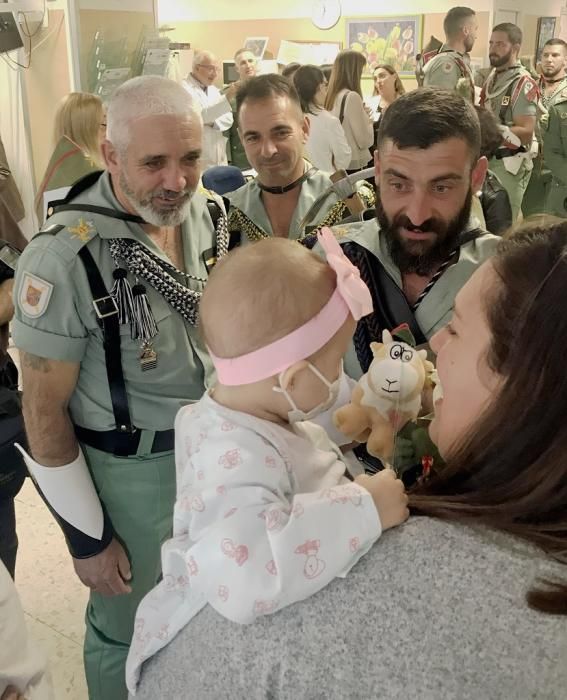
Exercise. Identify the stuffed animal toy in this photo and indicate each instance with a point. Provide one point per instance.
(387, 397)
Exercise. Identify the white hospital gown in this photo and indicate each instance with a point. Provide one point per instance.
(264, 517)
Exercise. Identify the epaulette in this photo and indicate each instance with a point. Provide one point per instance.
(74, 234)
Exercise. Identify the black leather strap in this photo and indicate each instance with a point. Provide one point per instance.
(107, 314)
(94, 209)
(124, 444)
(343, 104)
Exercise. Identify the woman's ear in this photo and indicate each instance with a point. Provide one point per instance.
(290, 374)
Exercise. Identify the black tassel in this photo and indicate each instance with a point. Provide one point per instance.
(144, 326)
(122, 293)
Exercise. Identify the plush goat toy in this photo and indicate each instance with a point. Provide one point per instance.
(387, 397)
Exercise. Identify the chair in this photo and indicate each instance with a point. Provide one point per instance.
(223, 179)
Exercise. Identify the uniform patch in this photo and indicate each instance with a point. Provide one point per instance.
(83, 230)
(531, 91)
(35, 294)
(447, 67)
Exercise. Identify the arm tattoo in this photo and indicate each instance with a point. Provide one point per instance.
(40, 364)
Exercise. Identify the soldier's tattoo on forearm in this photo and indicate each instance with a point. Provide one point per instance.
(40, 364)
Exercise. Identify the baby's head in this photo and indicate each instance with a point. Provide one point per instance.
(258, 310)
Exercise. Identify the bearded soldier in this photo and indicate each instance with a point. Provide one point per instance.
(512, 95)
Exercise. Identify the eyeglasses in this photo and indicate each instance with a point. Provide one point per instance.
(211, 69)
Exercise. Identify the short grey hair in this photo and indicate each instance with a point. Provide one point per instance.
(145, 96)
(202, 55)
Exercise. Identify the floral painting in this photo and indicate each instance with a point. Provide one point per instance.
(393, 40)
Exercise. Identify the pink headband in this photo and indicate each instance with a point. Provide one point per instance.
(350, 296)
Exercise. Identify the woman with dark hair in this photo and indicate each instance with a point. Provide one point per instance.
(326, 147)
(470, 599)
(494, 199)
(344, 100)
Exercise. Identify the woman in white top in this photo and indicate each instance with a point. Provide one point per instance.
(326, 147)
(344, 99)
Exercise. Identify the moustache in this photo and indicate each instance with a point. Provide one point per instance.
(429, 226)
(171, 195)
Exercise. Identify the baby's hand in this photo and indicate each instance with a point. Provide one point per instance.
(389, 496)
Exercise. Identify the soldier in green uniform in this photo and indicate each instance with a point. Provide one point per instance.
(423, 245)
(106, 307)
(289, 196)
(553, 89)
(449, 66)
(512, 95)
(246, 66)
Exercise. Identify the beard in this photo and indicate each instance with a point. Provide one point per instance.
(151, 214)
(499, 61)
(422, 257)
(551, 72)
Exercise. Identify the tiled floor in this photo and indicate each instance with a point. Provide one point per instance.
(52, 596)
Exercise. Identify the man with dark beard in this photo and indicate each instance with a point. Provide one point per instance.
(512, 95)
(546, 183)
(423, 245)
(106, 300)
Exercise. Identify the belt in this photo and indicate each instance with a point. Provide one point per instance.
(123, 444)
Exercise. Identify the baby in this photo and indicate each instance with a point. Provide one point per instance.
(264, 515)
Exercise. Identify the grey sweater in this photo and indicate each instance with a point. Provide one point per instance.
(434, 611)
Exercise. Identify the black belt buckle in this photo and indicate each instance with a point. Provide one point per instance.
(105, 307)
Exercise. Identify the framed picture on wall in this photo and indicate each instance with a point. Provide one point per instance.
(393, 40)
(256, 44)
(545, 31)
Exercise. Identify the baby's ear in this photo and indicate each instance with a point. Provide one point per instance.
(290, 374)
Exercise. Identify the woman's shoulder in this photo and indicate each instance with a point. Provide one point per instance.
(433, 610)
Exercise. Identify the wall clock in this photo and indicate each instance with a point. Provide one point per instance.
(326, 13)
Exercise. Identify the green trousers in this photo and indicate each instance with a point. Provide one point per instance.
(138, 493)
(537, 192)
(515, 185)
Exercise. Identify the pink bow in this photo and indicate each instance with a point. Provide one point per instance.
(351, 287)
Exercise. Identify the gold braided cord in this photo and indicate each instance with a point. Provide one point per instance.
(238, 221)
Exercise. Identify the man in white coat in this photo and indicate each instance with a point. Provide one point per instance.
(214, 106)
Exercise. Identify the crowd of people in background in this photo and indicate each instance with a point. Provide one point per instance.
(105, 307)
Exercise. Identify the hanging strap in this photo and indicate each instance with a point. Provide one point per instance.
(107, 315)
(343, 103)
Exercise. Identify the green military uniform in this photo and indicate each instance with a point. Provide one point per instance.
(66, 165)
(509, 94)
(449, 69)
(537, 195)
(237, 155)
(248, 215)
(436, 308)
(555, 154)
(55, 318)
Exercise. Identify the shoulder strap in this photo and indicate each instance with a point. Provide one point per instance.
(390, 304)
(343, 103)
(94, 209)
(107, 314)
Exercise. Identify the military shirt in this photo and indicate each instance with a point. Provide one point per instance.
(55, 317)
(446, 68)
(555, 133)
(496, 97)
(248, 214)
(436, 309)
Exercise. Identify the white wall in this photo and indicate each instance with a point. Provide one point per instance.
(221, 10)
